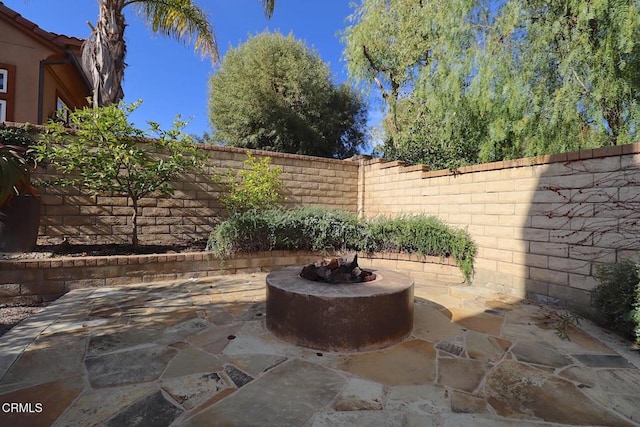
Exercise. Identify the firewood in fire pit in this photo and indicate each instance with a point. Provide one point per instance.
(337, 270)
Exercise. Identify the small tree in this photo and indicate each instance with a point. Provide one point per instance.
(106, 154)
(256, 186)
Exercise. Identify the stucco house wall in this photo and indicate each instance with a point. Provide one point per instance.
(41, 67)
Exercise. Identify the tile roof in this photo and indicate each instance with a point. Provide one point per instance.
(60, 40)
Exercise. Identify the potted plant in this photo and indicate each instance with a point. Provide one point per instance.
(19, 202)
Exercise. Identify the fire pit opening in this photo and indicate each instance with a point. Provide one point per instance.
(337, 270)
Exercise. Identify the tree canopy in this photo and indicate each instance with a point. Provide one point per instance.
(274, 93)
(467, 81)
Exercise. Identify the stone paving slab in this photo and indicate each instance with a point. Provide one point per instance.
(46, 359)
(95, 406)
(515, 389)
(289, 394)
(14, 342)
(55, 396)
(361, 419)
(197, 353)
(152, 410)
(134, 366)
(360, 395)
(428, 399)
(408, 363)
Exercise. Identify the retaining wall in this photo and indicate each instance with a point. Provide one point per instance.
(38, 280)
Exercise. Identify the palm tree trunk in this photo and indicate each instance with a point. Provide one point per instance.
(104, 52)
(269, 5)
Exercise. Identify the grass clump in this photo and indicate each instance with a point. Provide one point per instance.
(617, 298)
(319, 229)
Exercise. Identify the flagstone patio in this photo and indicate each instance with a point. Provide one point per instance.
(197, 353)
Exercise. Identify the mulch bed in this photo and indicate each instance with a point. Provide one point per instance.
(10, 316)
(82, 250)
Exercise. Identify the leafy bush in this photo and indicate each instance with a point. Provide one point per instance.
(424, 235)
(636, 315)
(275, 93)
(319, 229)
(308, 228)
(617, 298)
(256, 186)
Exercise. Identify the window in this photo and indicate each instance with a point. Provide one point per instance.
(62, 110)
(4, 80)
(7, 92)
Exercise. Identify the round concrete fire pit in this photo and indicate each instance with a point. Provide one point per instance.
(339, 317)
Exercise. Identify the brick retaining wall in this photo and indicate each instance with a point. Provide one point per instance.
(37, 280)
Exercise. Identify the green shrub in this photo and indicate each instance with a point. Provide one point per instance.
(307, 228)
(617, 298)
(424, 235)
(256, 186)
(17, 161)
(318, 229)
(636, 315)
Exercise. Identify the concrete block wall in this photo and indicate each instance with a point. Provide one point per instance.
(193, 211)
(30, 281)
(40, 280)
(542, 225)
(423, 268)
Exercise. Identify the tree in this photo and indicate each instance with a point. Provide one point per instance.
(560, 76)
(387, 43)
(108, 155)
(491, 80)
(273, 93)
(103, 54)
(413, 52)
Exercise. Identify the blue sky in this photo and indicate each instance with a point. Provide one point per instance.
(168, 76)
